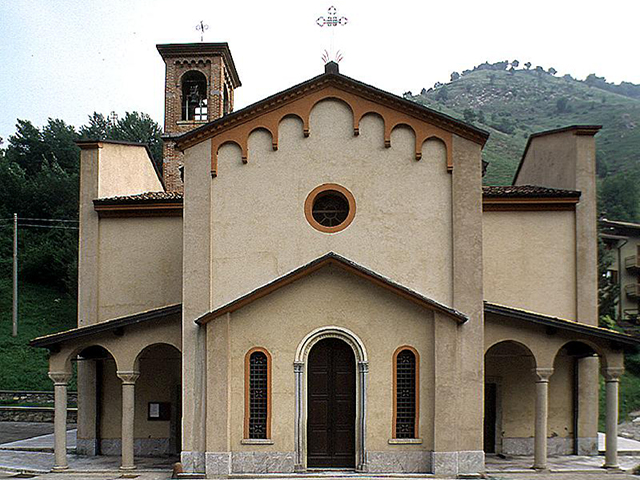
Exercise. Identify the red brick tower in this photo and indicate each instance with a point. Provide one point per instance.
(200, 80)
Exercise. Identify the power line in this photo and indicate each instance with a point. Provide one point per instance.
(47, 226)
(48, 219)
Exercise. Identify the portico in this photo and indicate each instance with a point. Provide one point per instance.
(147, 368)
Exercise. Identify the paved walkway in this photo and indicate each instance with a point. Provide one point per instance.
(34, 458)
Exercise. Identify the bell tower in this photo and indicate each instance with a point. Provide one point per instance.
(200, 80)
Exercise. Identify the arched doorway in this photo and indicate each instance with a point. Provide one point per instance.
(158, 416)
(573, 400)
(96, 436)
(332, 405)
(509, 399)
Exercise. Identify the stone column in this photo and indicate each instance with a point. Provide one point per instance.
(298, 369)
(612, 381)
(542, 410)
(128, 416)
(363, 369)
(87, 441)
(60, 380)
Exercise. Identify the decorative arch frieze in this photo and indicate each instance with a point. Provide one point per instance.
(300, 105)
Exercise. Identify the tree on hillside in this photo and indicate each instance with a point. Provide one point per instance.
(552, 71)
(619, 197)
(455, 76)
(442, 94)
(133, 127)
(515, 63)
(98, 128)
(562, 105)
(469, 115)
(527, 65)
(39, 179)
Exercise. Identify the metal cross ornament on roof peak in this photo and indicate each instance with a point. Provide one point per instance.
(202, 27)
(332, 20)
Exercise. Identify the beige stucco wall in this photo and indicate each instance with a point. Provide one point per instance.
(568, 160)
(328, 297)
(159, 369)
(158, 375)
(125, 170)
(530, 261)
(545, 350)
(140, 264)
(108, 169)
(402, 228)
(509, 366)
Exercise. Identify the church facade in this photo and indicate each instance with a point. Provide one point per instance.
(320, 281)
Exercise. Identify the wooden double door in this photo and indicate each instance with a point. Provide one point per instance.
(331, 405)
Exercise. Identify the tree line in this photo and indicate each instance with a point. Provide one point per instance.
(39, 180)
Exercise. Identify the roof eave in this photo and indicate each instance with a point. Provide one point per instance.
(51, 341)
(442, 120)
(549, 321)
(324, 260)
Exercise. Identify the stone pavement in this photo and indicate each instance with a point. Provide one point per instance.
(26, 452)
(14, 431)
(167, 475)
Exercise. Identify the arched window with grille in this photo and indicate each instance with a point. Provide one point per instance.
(257, 394)
(406, 388)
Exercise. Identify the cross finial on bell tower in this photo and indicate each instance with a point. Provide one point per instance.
(202, 27)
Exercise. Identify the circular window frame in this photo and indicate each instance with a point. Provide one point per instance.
(308, 207)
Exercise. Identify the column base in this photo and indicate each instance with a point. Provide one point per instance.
(60, 468)
(541, 469)
(612, 468)
(127, 468)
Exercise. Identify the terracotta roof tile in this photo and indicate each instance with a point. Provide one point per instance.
(169, 197)
(528, 191)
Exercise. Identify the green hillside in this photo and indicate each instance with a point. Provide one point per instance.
(512, 104)
(42, 310)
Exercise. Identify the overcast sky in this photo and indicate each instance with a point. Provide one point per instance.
(68, 58)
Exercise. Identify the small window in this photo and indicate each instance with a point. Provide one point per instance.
(330, 208)
(258, 394)
(405, 421)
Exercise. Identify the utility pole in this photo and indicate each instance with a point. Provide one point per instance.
(15, 275)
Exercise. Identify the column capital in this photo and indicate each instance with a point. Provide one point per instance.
(128, 378)
(542, 374)
(363, 367)
(60, 378)
(298, 367)
(612, 374)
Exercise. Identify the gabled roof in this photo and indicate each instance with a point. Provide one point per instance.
(587, 130)
(50, 341)
(560, 323)
(332, 77)
(339, 261)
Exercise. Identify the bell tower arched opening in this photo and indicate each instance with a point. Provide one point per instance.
(194, 96)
